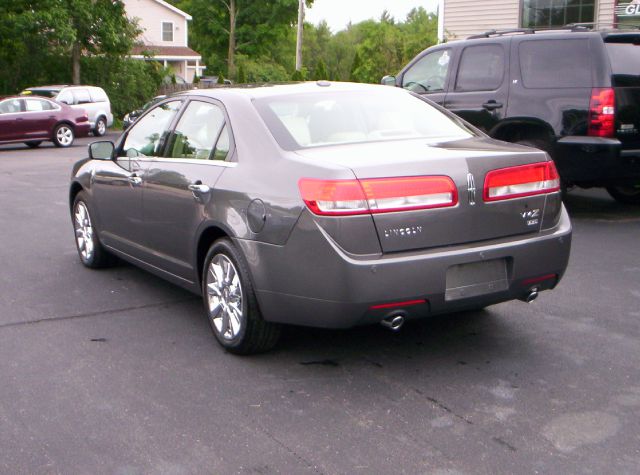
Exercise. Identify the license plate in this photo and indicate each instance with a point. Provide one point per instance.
(476, 278)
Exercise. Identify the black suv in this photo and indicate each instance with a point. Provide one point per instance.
(573, 92)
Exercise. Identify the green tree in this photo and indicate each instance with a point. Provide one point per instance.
(242, 74)
(220, 78)
(100, 27)
(320, 71)
(224, 28)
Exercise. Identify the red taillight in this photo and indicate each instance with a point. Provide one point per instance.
(523, 180)
(602, 113)
(377, 195)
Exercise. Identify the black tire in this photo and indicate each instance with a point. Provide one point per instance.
(236, 322)
(33, 143)
(63, 135)
(627, 194)
(96, 256)
(101, 127)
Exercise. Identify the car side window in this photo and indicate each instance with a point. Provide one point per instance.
(10, 106)
(429, 74)
(481, 68)
(66, 97)
(197, 132)
(81, 96)
(222, 145)
(98, 95)
(146, 136)
(555, 64)
(37, 105)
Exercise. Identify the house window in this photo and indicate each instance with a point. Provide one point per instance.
(167, 31)
(627, 12)
(556, 13)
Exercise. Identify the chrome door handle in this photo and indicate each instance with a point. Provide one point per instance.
(199, 188)
(135, 180)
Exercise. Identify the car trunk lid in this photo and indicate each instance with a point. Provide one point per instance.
(466, 163)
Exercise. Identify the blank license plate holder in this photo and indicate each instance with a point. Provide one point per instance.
(476, 278)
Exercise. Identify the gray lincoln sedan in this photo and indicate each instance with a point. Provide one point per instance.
(321, 204)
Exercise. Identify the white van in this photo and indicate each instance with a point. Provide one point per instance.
(92, 99)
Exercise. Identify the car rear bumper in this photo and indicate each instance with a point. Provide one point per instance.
(596, 161)
(310, 281)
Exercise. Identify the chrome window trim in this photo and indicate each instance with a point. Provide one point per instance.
(220, 163)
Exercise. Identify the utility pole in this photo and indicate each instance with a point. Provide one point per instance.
(299, 41)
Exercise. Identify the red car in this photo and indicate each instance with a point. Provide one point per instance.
(35, 119)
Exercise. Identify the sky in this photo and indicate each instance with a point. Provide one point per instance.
(338, 13)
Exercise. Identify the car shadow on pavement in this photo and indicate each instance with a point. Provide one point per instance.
(597, 204)
(463, 338)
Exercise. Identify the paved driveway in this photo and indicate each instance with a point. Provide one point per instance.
(116, 371)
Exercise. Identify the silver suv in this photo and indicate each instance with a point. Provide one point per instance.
(92, 99)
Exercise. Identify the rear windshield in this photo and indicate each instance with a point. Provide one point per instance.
(320, 119)
(625, 64)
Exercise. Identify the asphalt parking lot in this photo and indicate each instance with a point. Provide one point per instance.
(116, 371)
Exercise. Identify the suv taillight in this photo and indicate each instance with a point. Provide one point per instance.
(377, 195)
(602, 113)
(523, 180)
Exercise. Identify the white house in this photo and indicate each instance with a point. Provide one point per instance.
(459, 19)
(165, 36)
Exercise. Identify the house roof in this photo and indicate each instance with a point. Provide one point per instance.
(139, 50)
(174, 9)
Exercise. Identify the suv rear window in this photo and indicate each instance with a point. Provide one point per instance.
(625, 63)
(555, 63)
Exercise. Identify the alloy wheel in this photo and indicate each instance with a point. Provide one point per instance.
(101, 127)
(224, 297)
(65, 136)
(84, 231)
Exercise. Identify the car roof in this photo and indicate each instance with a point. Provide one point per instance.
(256, 91)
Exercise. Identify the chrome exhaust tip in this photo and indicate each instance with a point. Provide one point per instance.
(393, 322)
(531, 296)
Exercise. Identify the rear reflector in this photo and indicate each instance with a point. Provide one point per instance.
(602, 110)
(537, 280)
(408, 303)
(377, 195)
(523, 180)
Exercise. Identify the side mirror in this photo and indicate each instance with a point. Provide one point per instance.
(102, 150)
(388, 81)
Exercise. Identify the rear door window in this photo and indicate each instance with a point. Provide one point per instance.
(481, 68)
(37, 105)
(66, 97)
(555, 63)
(197, 132)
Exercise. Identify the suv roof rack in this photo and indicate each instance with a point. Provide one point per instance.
(600, 25)
(569, 27)
(490, 33)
